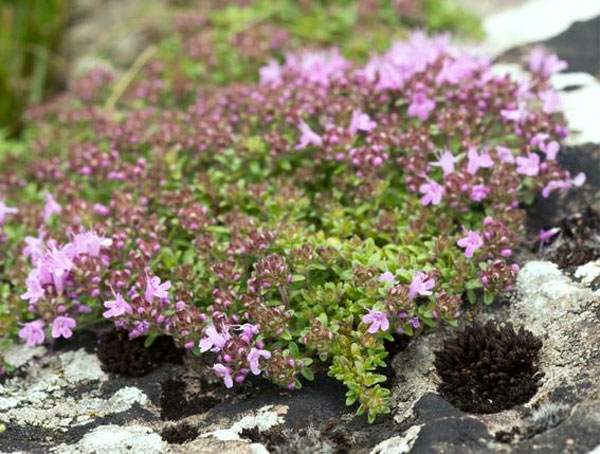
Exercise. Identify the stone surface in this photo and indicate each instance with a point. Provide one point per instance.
(533, 21)
(114, 439)
(400, 444)
(568, 46)
(545, 213)
(62, 402)
(264, 419)
(62, 397)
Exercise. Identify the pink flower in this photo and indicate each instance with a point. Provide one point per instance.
(388, 77)
(420, 285)
(5, 210)
(478, 161)
(117, 307)
(470, 243)
(544, 63)
(102, 210)
(51, 207)
(248, 331)
(551, 149)
(551, 101)
(270, 74)
(35, 247)
(33, 333)
(361, 122)
(479, 192)
(446, 161)
(545, 235)
(529, 165)
(254, 356)
(432, 193)
(63, 326)
(420, 106)
(318, 67)
(35, 291)
(505, 155)
(563, 185)
(309, 137)
(517, 114)
(225, 373)
(214, 340)
(387, 277)
(58, 263)
(378, 321)
(90, 243)
(579, 179)
(155, 289)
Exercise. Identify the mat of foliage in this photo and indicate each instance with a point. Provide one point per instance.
(304, 213)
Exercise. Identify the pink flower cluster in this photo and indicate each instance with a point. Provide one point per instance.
(421, 285)
(237, 354)
(52, 277)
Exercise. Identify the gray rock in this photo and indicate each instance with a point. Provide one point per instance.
(114, 439)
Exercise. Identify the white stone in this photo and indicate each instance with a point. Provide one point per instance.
(560, 81)
(400, 444)
(263, 420)
(582, 110)
(588, 272)
(80, 366)
(257, 448)
(534, 21)
(43, 398)
(113, 439)
(65, 411)
(18, 355)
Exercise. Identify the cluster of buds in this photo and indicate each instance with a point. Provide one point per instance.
(319, 337)
(273, 321)
(499, 276)
(284, 369)
(499, 239)
(270, 272)
(255, 242)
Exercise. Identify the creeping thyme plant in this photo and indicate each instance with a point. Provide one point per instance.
(300, 215)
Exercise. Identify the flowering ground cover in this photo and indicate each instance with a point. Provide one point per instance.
(282, 219)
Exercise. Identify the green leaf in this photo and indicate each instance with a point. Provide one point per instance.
(307, 373)
(150, 339)
(471, 296)
(293, 348)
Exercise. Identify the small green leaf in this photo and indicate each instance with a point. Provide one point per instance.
(307, 373)
(150, 339)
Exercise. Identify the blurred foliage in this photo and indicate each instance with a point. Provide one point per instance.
(223, 45)
(30, 32)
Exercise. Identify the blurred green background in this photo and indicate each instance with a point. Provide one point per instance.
(33, 68)
(30, 33)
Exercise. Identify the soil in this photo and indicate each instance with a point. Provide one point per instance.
(176, 404)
